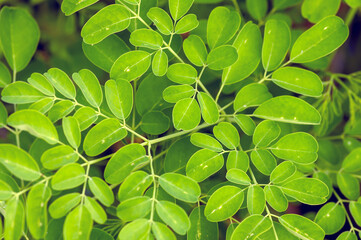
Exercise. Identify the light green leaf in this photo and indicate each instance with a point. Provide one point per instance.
(352, 162)
(182, 73)
(14, 219)
(256, 200)
(134, 208)
(101, 191)
(123, 162)
(71, 6)
(3, 114)
(41, 83)
(96, 211)
(277, 232)
(298, 147)
(250, 96)
(288, 109)
(160, 63)
(331, 218)
(5, 77)
(58, 156)
(136, 230)
(110, 19)
(155, 123)
(20, 93)
(257, 8)
(209, 108)
(349, 185)
(275, 198)
(222, 57)
(68, 176)
(130, 65)
(134, 185)
(119, 95)
(227, 134)
(238, 159)
(78, 224)
(61, 81)
(347, 236)
(174, 216)
(245, 123)
(302, 227)
(201, 228)
(355, 209)
(315, 10)
(203, 140)
(61, 109)
(102, 136)
(90, 87)
(19, 36)
(146, 38)
(251, 227)
(72, 131)
(282, 172)
(298, 80)
(186, 24)
(6, 191)
(181, 187)
(203, 164)
(353, 4)
(161, 19)
(178, 8)
(277, 41)
(223, 203)
(186, 114)
(238, 176)
(265, 133)
(43, 105)
(195, 50)
(310, 191)
(222, 26)
(173, 94)
(36, 210)
(162, 232)
(264, 161)
(86, 116)
(320, 40)
(62, 205)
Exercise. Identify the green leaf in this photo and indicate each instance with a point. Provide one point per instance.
(173, 94)
(302, 227)
(353, 4)
(222, 57)
(61, 109)
(160, 63)
(182, 73)
(264, 161)
(222, 26)
(61, 81)
(275, 198)
(277, 232)
(250, 96)
(245, 123)
(265, 133)
(174, 216)
(288, 109)
(161, 19)
(178, 8)
(282, 4)
(256, 200)
(186, 24)
(349, 185)
(209, 108)
(331, 218)
(41, 83)
(43, 105)
(20, 93)
(71, 6)
(62, 205)
(134, 185)
(227, 134)
(134, 208)
(203, 164)
(238, 176)
(19, 162)
(146, 38)
(19, 36)
(352, 162)
(282, 172)
(162, 232)
(186, 114)
(119, 95)
(298, 80)
(144, 7)
(238, 159)
(223, 203)
(78, 224)
(277, 41)
(37, 214)
(101, 190)
(315, 10)
(310, 191)
(72, 131)
(90, 86)
(155, 123)
(130, 65)
(257, 8)
(106, 52)
(298, 147)
(320, 40)
(181, 187)
(123, 162)
(110, 19)
(68, 177)
(201, 228)
(102, 136)
(347, 236)
(3, 114)
(355, 209)
(95, 209)
(86, 116)
(14, 219)
(205, 141)
(5, 77)
(195, 50)
(58, 156)
(6, 191)
(251, 227)
(138, 229)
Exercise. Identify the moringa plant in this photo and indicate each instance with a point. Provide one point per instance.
(205, 126)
